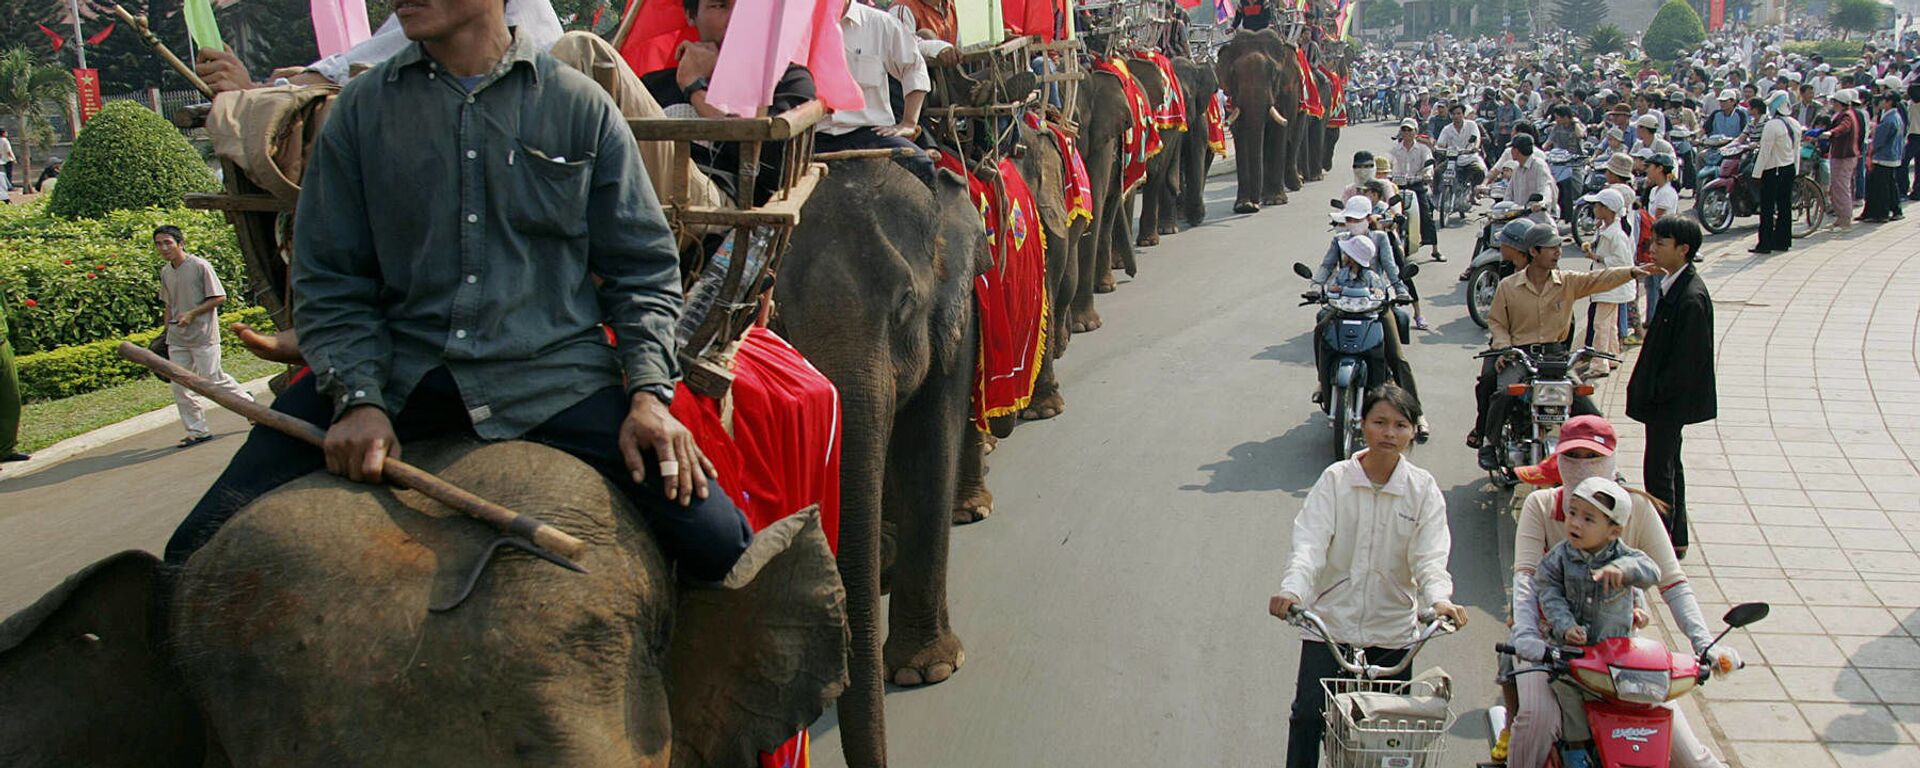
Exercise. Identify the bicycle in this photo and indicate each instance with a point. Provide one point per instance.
(1373, 722)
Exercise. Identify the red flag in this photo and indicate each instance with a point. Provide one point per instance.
(58, 41)
(597, 10)
(102, 35)
(87, 86)
(656, 35)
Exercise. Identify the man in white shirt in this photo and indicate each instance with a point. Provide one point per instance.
(1411, 171)
(1824, 83)
(878, 46)
(192, 295)
(6, 162)
(1531, 176)
(1463, 135)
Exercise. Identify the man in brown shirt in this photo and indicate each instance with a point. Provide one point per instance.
(1535, 307)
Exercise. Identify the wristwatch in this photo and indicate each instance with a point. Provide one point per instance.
(662, 392)
(698, 84)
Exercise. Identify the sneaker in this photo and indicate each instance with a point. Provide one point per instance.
(14, 456)
(1499, 753)
(1633, 340)
(1420, 324)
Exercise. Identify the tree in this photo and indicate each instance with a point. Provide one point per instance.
(268, 34)
(1379, 14)
(1605, 39)
(1580, 16)
(128, 158)
(27, 90)
(1675, 29)
(1864, 16)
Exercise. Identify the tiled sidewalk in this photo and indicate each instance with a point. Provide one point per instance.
(1805, 494)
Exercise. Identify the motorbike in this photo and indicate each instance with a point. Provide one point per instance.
(1545, 395)
(1489, 267)
(1735, 192)
(1374, 720)
(1451, 193)
(1356, 340)
(1682, 140)
(1566, 174)
(1625, 682)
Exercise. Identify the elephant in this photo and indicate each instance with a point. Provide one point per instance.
(877, 292)
(1196, 158)
(301, 635)
(1104, 117)
(1156, 195)
(1046, 169)
(1260, 71)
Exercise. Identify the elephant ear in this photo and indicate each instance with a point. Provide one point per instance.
(758, 659)
(82, 678)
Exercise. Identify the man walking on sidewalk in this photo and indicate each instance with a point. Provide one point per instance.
(193, 297)
(1672, 384)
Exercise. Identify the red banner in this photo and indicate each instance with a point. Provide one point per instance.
(87, 82)
(1716, 14)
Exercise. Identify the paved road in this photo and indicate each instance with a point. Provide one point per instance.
(1113, 608)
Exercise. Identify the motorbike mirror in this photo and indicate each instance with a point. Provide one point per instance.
(1336, 202)
(1301, 270)
(1536, 197)
(1746, 613)
(1409, 271)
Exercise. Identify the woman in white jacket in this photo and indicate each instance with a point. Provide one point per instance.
(1369, 555)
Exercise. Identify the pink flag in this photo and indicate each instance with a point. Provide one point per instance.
(339, 25)
(764, 36)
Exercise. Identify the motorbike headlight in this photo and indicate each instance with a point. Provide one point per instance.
(1640, 686)
(1555, 394)
(1680, 686)
(1593, 681)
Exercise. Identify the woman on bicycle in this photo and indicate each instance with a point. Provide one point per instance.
(1369, 556)
(1585, 450)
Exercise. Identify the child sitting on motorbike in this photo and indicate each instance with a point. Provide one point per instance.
(1362, 257)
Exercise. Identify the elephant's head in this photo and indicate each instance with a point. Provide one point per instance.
(84, 680)
(302, 635)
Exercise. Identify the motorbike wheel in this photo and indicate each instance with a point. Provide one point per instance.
(1346, 428)
(1584, 224)
(1442, 203)
(1809, 206)
(1715, 209)
(1482, 281)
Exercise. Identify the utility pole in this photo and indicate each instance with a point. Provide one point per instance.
(79, 40)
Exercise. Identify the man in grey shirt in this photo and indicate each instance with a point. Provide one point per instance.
(473, 213)
(192, 295)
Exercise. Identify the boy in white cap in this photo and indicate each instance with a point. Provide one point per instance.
(1585, 583)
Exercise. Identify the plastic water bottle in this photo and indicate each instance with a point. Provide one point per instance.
(705, 292)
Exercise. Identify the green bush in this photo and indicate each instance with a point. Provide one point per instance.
(84, 368)
(1835, 52)
(71, 282)
(1674, 31)
(1605, 39)
(128, 158)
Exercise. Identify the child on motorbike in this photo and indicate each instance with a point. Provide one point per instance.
(1360, 256)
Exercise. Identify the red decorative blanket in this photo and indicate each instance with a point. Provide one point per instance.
(1012, 296)
(1142, 142)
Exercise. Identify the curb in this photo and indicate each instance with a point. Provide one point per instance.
(82, 443)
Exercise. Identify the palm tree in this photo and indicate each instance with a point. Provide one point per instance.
(26, 90)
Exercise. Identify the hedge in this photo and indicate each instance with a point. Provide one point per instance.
(72, 282)
(84, 368)
(1675, 30)
(1836, 53)
(128, 158)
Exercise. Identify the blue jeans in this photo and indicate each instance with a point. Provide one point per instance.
(705, 537)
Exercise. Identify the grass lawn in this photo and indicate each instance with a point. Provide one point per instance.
(45, 423)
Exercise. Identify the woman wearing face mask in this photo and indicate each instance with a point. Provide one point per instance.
(1586, 450)
(1359, 252)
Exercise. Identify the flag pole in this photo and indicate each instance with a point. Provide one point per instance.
(79, 40)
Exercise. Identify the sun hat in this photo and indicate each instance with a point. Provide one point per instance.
(1846, 96)
(1729, 94)
(1358, 248)
(1609, 197)
(1620, 164)
(1607, 496)
(1363, 159)
(1514, 234)
(1892, 83)
(1778, 102)
(1649, 122)
(1409, 124)
(1663, 160)
(1357, 207)
(1382, 164)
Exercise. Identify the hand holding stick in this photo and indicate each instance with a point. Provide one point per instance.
(395, 471)
(139, 25)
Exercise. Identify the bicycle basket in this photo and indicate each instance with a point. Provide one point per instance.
(1386, 723)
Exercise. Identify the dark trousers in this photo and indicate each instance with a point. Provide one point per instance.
(1910, 168)
(1666, 479)
(1308, 724)
(1883, 193)
(9, 400)
(866, 138)
(1776, 208)
(705, 537)
(1429, 234)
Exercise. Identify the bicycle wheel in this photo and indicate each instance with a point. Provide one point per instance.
(1809, 206)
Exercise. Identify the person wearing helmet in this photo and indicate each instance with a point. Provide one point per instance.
(1368, 264)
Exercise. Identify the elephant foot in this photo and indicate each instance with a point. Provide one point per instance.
(974, 508)
(1085, 320)
(1104, 285)
(1315, 176)
(1293, 185)
(1195, 222)
(988, 442)
(924, 664)
(1044, 407)
(1276, 199)
(1146, 241)
(1169, 229)
(1246, 206)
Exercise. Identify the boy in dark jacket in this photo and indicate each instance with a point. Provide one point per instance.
(1672, 384)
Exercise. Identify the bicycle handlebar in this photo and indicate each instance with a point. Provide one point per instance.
(1435, 625)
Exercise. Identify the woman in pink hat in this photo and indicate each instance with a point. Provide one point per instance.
(1586, 450)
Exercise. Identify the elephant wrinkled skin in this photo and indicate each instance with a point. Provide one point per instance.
(1260, 72)
(300, 636)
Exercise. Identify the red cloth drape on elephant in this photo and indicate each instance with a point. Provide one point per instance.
(1077, 185)
(1039, 19)
(1309, 93)
(1142, 142)
(1337, 98)
(1216, 126)
(1172, 111)
(1012, 296)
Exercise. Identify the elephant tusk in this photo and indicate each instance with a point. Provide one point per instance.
(1275, 114)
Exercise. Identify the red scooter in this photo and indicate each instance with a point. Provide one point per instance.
(1735, 192)
(1626, 680)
